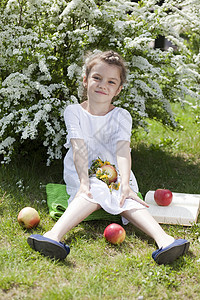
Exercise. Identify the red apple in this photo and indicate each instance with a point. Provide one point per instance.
(163, 197)
(111, 172)
(114, 233)
(28, 217)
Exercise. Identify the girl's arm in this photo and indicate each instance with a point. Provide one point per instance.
(124, 165)
(80, 157)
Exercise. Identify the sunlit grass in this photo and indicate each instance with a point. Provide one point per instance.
(183, 141)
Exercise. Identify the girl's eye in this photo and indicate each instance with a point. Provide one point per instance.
(111, 82)
(96, 77)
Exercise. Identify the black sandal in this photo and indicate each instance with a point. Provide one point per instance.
(48, 247)
(170, 253)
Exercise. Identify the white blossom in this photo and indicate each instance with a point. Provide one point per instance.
(43, 46)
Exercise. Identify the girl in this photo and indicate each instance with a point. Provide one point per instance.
(97, 131)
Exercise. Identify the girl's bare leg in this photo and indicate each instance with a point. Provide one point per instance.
(76, 212)
(142, 219)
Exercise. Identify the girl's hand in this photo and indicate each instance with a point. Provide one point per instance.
(127, 192)
(84, 189)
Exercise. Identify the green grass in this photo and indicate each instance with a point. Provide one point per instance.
(96, 269)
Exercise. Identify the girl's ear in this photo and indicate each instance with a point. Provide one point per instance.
(85, 81)
(119, 90)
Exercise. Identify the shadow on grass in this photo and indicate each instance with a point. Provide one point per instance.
(158, 169)
(152, 168)
(93, 230)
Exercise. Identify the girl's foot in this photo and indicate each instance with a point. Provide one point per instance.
(165, 240)
(51, 236)
(48, 247)
(171, 252)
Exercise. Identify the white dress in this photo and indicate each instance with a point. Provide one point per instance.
(101, 134)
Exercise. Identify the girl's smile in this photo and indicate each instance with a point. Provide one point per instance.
(100, 92)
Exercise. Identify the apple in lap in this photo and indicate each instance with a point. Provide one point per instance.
(111, 172)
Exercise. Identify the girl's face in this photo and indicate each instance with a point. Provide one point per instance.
(103, 83)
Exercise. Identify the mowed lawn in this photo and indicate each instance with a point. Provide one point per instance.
(94, 268)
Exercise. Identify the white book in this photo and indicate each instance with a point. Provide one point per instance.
(183, 210)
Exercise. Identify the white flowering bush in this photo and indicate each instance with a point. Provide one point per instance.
(43, 45)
